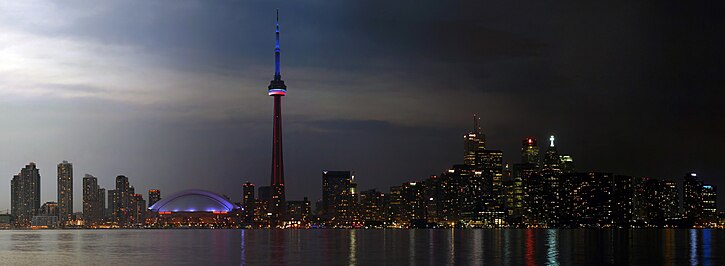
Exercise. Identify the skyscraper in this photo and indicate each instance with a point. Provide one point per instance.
(473, 144)
(154, 196)
(277, 89)
(91, 210)
(122, 201)
(530, 152)
(372, 207)
(65, 192)
(567, 163)
(25, 195)
(692, 197)
(709, 203)
(339, 196)
(248, 203)
(551, 171)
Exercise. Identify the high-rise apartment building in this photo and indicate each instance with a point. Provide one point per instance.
(25, 195)
(92, 212)
(65, 192)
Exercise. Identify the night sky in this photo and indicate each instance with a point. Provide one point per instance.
(173, 93)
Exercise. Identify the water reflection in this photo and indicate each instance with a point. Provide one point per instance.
(530, 247)
(365, 247)
(243, 238)
(477, 247)
(693, 247)
(706, 246)
(353, 247)
(66, 242)
(552, 247)
(452, 245)
(506, 247)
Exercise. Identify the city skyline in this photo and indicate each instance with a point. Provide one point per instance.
(214, 134)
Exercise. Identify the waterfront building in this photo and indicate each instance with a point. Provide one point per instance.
(122, 210)
(339, 197)
(371, 208)
(109, 215)
(670, 199)
(621, 189)
(692, 198)
(93, 201)
(299, 213)
(154, 196)
(413, 203)
(44, 222)
(550, 172)
(65, 191)
(709, 203)
(394, 208)
(248, 203)
(192, 208)
(25, 195)
(588, 201)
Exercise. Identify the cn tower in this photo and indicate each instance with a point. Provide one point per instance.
(277, 89)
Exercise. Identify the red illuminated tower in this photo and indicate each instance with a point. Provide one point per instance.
(277, 89)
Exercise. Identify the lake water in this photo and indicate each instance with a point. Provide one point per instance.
(364, 247)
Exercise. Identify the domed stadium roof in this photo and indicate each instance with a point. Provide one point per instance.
(193, 200)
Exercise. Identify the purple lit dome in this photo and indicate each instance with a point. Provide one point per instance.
(193, 200)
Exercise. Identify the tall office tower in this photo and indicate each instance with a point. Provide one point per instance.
(91, 215)
(492, 173)
(550, 173)
(154, 196)
(122, 201)
(692, 198)
(25, 195)
(530, 152)
(277, 89)
(248, 203)
(473, 144)
(670, 200)
(455, 201)
(394, 207)
(709, 203)
(65, 192)
(566, 163)
(433, 195)
(372, 203)
(339, 198)
(413, 202)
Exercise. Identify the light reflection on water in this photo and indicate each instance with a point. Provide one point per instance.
(552, 249)
(693, 247)
(364, 247)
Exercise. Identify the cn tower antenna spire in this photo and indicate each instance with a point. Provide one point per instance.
(277, 74)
